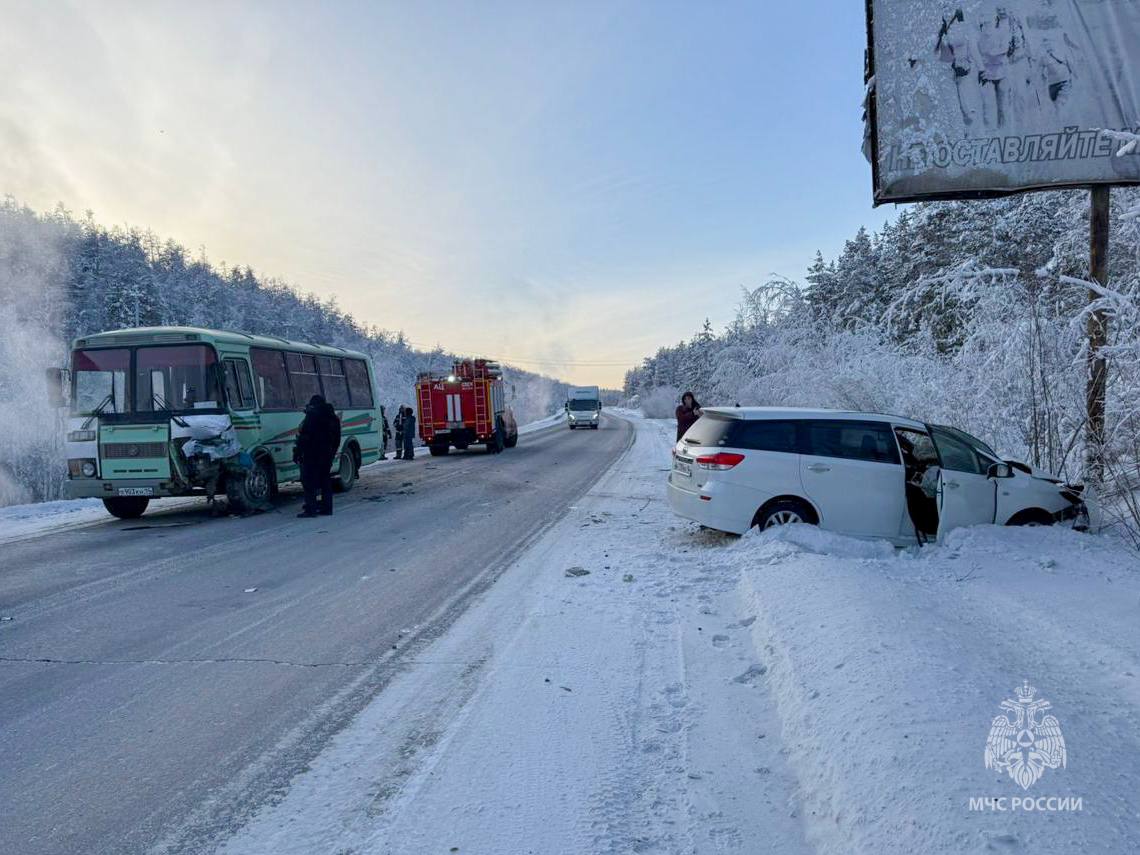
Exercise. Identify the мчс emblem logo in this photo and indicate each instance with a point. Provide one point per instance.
(1028, 743)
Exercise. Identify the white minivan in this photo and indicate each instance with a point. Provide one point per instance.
(862, 474)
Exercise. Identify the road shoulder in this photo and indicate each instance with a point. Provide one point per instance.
(581, 698)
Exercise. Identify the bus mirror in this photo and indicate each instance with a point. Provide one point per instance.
(56, 382)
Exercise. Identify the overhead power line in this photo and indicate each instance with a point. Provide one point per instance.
(520, 361)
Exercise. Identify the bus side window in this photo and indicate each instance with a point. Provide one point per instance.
(303, 377)
(359, 386)
(272, 381)
(239, 389)
(333, 381)
(245, 385)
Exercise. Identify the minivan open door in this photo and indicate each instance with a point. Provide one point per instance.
(966, 494)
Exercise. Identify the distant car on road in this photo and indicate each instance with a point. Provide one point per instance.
(862, 474)
(584, 407)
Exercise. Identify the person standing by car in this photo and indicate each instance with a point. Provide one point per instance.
(687, 413)
(385, 434)
(318, 442)
(398, 425)
(409, 433)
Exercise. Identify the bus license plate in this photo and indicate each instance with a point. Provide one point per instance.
(135, 491)
(682, 468)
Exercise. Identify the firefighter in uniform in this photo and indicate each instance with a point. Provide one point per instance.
(385, 434)
(409, 433)
(398, 426)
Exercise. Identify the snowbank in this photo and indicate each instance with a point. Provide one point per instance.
(888, 669)
(20, 521)
(558, 418)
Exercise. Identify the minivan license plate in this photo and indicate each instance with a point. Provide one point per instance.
(135, 491)
(682, 468)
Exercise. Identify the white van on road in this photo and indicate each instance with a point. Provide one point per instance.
(584, 407)
(862, 474)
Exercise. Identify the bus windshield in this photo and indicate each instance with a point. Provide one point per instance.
(175, 378)
(584, 404)
(100, 380)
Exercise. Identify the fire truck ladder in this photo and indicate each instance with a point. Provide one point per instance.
(426, 423)
(482, 423)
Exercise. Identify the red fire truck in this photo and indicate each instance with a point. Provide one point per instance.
(466, 407)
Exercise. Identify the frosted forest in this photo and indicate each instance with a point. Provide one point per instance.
(965, 313)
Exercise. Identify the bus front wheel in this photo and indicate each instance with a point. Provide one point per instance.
(126, 507)
(252, 491)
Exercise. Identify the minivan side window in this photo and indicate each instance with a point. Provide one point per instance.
(851, 440)
(956, 454)
(764, 435)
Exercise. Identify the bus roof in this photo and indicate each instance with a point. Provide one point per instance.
(182, 335)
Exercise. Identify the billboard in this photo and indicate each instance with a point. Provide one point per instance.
(978, 98)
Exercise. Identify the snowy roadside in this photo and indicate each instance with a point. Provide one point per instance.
(20, 522)
(558, 418)
(888, 669)
(598, 698)
(633, 683)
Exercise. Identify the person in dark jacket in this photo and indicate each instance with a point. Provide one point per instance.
(409, 433)
(687, 414)
(398, 425)
(318, 442)
(385, 435)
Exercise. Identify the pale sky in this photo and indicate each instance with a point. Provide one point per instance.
(563, 185)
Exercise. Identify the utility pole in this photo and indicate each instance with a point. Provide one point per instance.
(1097, 336)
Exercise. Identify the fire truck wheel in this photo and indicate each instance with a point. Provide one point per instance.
(439, 449)
(512, 440)
(346, 472)
(126, 507)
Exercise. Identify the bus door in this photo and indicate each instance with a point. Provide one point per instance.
(241, 401)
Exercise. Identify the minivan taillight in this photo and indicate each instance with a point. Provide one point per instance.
(720, 461)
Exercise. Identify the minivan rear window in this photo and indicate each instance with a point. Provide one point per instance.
(709, 431)
(756, 435)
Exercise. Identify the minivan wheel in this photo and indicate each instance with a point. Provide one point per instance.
(1032, 517)
(787, 512)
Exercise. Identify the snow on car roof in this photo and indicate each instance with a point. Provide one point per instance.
(751, 413)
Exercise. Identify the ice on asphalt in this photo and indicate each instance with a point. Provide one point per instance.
(18, 522)
(788, 691)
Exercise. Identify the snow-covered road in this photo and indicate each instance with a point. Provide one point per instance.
(634, 684)
(162, 678)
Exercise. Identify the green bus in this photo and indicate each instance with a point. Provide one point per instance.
(139, 396)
